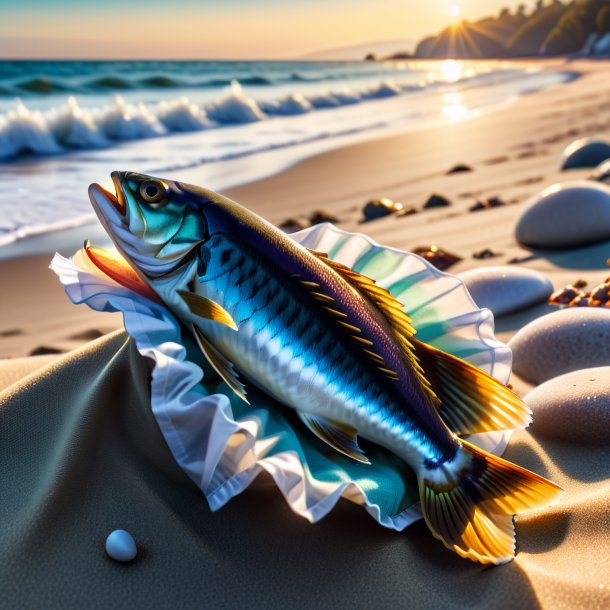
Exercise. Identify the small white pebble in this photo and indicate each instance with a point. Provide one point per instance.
(121, 546)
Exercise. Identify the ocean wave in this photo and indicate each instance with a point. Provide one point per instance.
(59, 82)
(24, 131)
(67, 127)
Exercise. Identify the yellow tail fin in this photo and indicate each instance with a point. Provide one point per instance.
(469, 502)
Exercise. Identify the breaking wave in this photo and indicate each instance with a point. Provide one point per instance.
(24, 131)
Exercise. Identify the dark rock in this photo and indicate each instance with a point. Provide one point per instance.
(291, 225)
(486, 253)
(406, 211)
(319, 216)
(486, 204)
(378, 208)
(460, 168)
(44, 350)
(87, 335)
(11, 332)
(440, 258)
(436, 201)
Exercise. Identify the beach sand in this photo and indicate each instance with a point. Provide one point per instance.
(515, 153)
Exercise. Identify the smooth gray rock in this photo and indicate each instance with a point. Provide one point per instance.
(602, 172)
(565, 215)
(561, 342)
(573, 407)
(505, 289)
(585, 152)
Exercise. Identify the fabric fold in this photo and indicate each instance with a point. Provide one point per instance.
(223, 444)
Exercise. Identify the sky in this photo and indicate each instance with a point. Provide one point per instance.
(219, 29)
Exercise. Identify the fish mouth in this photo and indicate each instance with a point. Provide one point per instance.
(102, 199)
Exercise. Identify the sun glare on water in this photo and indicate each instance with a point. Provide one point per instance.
(452, 70)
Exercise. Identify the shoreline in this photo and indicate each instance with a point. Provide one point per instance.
(514, 153)
(40, 241)
(267, 163)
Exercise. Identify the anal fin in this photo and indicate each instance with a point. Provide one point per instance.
(471, 400)
(221, 365)
(339, 436)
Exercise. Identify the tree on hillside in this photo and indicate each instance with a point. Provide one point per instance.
(602, 21)
(528, 39)
(575, 26)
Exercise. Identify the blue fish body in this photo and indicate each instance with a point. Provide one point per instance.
(329, 343)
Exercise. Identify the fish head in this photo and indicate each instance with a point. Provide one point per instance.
(156, 224)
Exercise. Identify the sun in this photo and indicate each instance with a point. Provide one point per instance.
(454, 10)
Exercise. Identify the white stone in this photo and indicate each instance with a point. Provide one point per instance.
(566, 215)
(561, 342)
(505, 289)
(586, 152)
(573, 407)
(602, 172)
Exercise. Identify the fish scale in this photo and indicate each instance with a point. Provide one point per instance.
(303, 360)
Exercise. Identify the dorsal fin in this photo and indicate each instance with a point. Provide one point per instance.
(328, 303)
(392, 311)
(471, 400)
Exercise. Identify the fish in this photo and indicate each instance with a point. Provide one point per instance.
(329, 343)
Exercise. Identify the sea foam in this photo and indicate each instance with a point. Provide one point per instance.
(69, 126)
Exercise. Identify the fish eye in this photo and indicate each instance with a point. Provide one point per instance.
(154, 192)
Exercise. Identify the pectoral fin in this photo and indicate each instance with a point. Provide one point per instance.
(221, 365)
(206, 308)
(340, 437)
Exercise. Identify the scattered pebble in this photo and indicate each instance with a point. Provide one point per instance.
(42, 350)
(486, 204)
(506, 289)
(573, 295)
(566, 215)
(121, 546)
(528, 154)
(436, 201)
(573, 407)
(440, 258)
(486, 253)
(378, 208)
(298, 223)
(460, 168)
(11, 332)
(602, 172)
(561, 342)
(406, 211)
(522, 259)
(87, 335)
(319, 216)
(585, 152)
(496, 160)
(291, 225)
